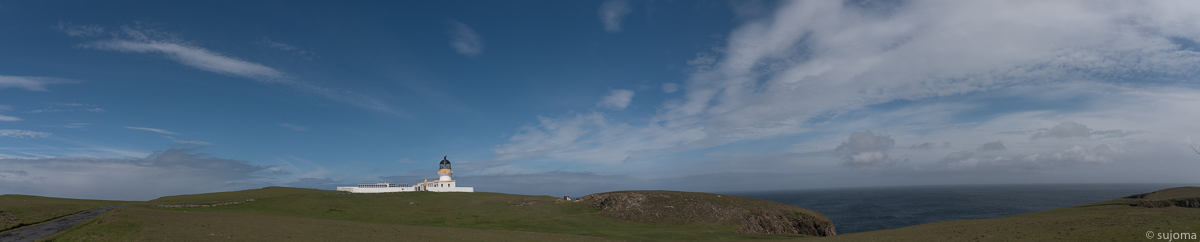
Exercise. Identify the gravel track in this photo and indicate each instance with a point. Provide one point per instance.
(42, 230)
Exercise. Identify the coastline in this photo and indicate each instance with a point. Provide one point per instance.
(865, 209)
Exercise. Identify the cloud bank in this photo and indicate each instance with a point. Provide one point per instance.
(169, 172)
(866, 149)
(813, 71)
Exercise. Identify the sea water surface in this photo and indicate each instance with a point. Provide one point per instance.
(856, 210)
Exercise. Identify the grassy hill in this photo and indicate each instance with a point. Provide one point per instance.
(290, 214)
(279, 213)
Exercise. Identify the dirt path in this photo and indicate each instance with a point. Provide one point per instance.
(42, 230)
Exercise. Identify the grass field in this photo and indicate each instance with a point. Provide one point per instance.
(289, 214)
(473, 215)
(141, 224)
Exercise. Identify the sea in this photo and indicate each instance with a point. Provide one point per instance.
(856, 210)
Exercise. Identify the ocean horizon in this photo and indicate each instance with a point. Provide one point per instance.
(864, 209)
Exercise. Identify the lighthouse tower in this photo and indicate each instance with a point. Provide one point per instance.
(444, 170)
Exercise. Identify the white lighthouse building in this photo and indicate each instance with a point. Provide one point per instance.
(443, 184)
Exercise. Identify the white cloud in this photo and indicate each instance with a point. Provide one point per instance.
(139, 40)
(293, 127)
(195, 57)
(76, 125)
(287, 47)
(589, 138)
(80, 30)
(616, 99)
(277, 45)
(611, 12)
(1077, 153)
(31, 83)
(864, 149)
(188, 142)
(20, 133)
(161, 131)
(811, 63)
(69, 107)
(670, 87)
(7, 118)
(854, 59)
(464, 39)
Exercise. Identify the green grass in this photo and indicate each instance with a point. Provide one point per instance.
(22, 210)
(291, 214)
(487, 211)
(142, 224)
(215, 197)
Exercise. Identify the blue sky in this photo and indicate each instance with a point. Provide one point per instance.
(140, 99)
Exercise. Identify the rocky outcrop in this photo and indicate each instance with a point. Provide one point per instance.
(752, 216)
(1187, 197)
(192, 205)
(784, 222)
(1187, 203)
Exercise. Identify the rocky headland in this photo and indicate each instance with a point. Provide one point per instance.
(752, 216)
(1187, 197)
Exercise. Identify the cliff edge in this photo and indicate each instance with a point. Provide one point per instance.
(752, 216)
(1187, 197)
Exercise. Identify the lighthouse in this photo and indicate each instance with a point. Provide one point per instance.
(442, 184)
(444, 170)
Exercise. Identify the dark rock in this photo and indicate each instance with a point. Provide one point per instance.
(784, 222)
(1186, 203)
